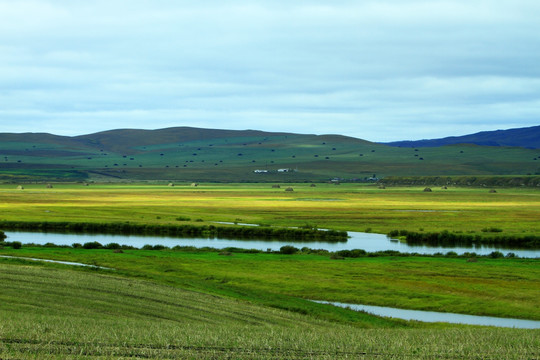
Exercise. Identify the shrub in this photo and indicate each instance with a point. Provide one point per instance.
(16, 244)
(492, 229)
(92, 245)
(112, 246)
(496, 255)
(288, 250)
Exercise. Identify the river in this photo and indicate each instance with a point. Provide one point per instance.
(367, 241)
(432, 316)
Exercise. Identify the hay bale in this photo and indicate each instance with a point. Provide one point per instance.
(492, 191)
(276, 186)
(194, 184)
(20, 187)
(312, 185)
(49, 186)
(382, 187)
(444, 188)
(427, 189)
(171, 184)
(289, 189)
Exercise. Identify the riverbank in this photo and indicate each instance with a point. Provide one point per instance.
(358, 245)
(178, 231)
(506, 287)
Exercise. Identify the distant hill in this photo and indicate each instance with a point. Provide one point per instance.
(194, 154)
(528, 137)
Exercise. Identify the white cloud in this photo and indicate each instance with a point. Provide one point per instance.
(380, 70)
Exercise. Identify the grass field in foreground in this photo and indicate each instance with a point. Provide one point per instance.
(52, 312)
(494, 287)
(349, 207)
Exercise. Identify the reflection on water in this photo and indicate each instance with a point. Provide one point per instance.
(432, 316)
(366, 241)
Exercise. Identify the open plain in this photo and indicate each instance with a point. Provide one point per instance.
(255, 305)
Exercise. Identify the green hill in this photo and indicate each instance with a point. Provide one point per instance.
(192, 154)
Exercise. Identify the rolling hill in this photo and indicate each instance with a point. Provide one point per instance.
(194, 154)
(528, 137)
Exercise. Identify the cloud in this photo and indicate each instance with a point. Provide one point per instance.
(380, 70)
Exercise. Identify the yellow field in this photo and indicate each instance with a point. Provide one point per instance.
(350, 207)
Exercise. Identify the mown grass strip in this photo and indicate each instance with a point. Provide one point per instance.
(50, 312)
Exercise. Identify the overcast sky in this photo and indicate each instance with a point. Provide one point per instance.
(380, 70)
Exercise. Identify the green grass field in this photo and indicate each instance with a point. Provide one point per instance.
(233, 158)
(348, 207)
(493, 287)
(196, 304)
(49, 312)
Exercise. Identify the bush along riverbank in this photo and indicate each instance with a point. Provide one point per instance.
(179, 231)
(284, 250)
(446, 238)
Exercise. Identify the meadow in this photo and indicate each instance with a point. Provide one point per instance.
(53, 312)
(346, 207)
(211, 304)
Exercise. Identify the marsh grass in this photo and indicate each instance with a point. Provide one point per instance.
(349, 207)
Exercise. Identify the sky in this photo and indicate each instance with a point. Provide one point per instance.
(380, 70)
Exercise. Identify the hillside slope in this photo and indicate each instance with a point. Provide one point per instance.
(192, 154)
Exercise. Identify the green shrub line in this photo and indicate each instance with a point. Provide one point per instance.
(284, 250)
(179, 231)
(446, 238)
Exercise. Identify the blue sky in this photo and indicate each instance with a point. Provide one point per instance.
(379, 70)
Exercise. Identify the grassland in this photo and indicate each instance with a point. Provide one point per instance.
(494, 287)
(194, 304)
(233, 157)
(348, 207)
(50, 312)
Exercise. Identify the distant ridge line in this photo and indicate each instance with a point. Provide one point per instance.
(528, 137)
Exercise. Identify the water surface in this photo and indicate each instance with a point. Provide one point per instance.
(366, 241)
(432, 316)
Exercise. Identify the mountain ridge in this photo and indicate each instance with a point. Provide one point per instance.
(527, 137)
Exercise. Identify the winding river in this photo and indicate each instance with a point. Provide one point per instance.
(432, 316)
